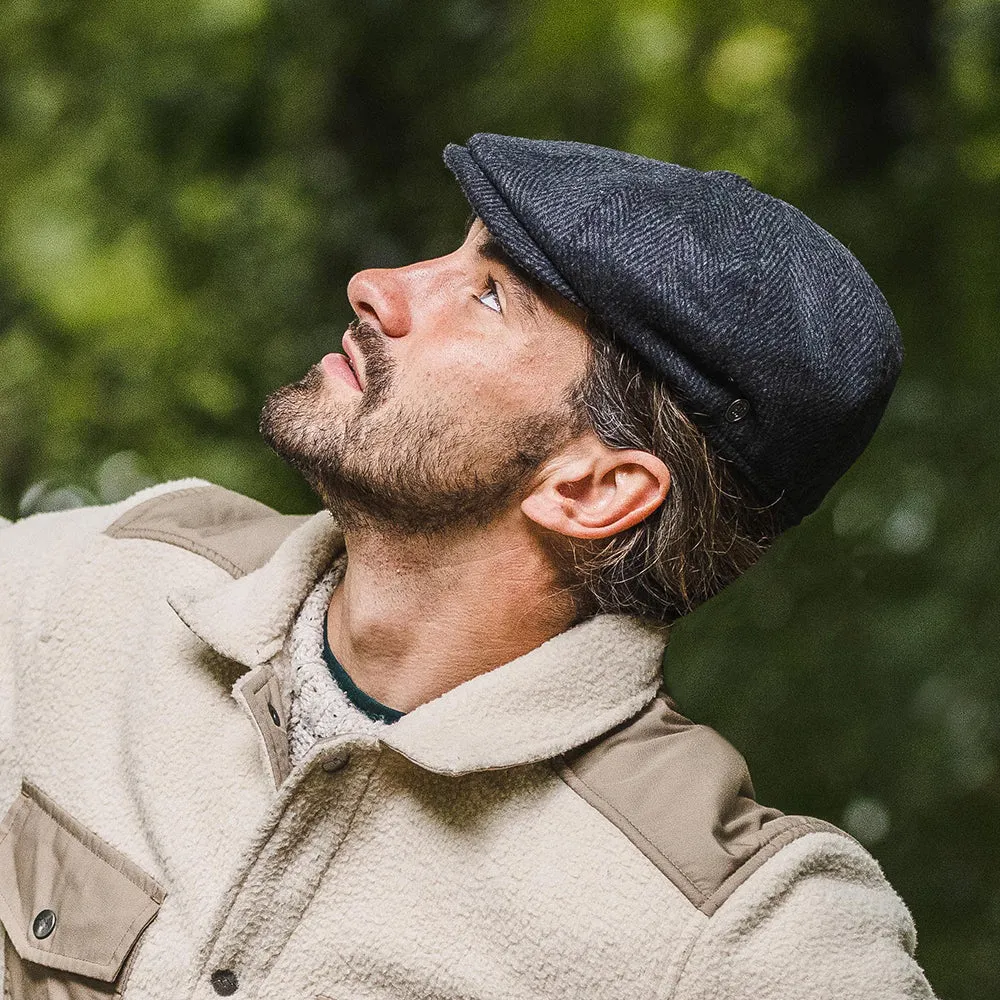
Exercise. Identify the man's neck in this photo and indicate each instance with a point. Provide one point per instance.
(414, 617)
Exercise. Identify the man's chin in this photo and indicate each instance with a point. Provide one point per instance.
(290, 420)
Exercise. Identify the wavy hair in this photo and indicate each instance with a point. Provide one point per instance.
(706, 533)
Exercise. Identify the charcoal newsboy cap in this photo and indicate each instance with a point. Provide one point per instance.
(773, 337)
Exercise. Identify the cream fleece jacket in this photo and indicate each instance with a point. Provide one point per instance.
(552, 828)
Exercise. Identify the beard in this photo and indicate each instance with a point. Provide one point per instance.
(411, 469)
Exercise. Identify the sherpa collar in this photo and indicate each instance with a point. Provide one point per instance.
(246, 619)
(559, 695)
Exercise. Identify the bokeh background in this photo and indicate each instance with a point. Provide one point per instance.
(185, 189)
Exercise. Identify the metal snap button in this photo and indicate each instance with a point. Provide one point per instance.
(737, 410)
(224, 982)
(44, 924)
(273, 712)
(336, 762)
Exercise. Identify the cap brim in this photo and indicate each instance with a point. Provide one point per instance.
(489, 204)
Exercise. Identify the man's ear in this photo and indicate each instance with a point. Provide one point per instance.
(593, 491)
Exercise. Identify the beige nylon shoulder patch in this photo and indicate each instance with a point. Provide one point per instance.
(233, 531)
(682, 794)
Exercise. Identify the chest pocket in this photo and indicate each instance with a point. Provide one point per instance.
(73, 907)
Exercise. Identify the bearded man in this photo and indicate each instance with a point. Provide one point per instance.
(418, 745)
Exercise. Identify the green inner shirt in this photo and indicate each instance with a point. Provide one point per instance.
(372, 708)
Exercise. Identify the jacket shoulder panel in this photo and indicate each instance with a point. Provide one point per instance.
(682, 794)
(233, 531)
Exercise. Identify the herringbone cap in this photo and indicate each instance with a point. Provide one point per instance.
(773, 337)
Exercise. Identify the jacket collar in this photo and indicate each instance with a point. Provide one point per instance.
(247, 619)
(569, 690)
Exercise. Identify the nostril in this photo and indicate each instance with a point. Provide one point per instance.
(379, 297)
(366, 311)
(364, 294)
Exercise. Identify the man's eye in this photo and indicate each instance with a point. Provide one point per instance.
(490, 299)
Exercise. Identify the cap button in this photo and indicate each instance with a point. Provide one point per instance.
(737, 410)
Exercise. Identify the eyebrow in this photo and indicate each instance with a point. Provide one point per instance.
(527, 289)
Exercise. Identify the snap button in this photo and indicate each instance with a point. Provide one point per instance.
(737, 410)
(224, 982)
(44, 924)
(275, 718)
(336, 762)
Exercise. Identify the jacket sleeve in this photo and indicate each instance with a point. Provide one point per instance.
(818, 920)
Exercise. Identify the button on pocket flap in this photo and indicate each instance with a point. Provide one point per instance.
(68, 900)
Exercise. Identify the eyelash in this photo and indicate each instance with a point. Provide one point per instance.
(491, 288)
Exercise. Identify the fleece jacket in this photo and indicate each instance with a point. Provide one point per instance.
(552, 828)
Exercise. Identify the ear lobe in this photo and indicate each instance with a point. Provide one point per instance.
(596, 498)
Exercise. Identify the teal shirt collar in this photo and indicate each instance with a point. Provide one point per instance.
(365, 702)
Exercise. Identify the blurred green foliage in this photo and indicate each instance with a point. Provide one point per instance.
(185, 189)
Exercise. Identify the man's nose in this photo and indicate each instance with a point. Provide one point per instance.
(379, 296)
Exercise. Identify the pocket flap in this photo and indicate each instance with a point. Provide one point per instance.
(68, 900)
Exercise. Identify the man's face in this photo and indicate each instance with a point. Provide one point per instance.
(464, 372)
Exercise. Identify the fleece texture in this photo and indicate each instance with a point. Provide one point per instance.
(438, 857)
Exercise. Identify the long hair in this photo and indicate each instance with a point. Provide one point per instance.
(708, 530)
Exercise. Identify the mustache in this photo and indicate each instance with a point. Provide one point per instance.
(378, 364)
(364, 335)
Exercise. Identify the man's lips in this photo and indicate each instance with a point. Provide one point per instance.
(338, 366)
(352, 356)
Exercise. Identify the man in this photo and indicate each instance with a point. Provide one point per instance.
(447, 768)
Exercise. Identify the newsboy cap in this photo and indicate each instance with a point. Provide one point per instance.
(772, 336)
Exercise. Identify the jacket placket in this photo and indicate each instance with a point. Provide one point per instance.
(293, 847)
